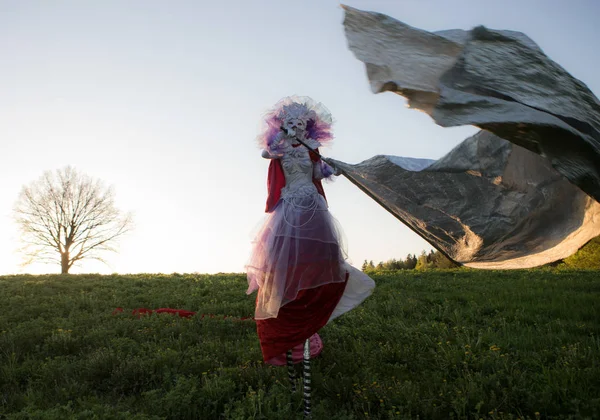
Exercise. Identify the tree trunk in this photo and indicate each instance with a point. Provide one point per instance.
(64, 263)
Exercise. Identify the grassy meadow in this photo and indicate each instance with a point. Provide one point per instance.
(430, 345)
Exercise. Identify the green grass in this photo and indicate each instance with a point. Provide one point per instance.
(433, 345)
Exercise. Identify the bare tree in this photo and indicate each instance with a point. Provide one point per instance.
(65, 217)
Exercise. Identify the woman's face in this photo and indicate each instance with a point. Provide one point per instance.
(294, 127)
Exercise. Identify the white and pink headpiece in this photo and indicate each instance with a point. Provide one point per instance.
(316, 117)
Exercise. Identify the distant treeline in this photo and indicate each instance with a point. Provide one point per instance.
(588, 257)
(425, 261)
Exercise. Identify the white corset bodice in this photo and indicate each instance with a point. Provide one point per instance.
(298, 170)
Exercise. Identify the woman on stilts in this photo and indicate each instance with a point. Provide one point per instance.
(298, 262)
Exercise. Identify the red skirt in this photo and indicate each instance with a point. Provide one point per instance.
(298, 320)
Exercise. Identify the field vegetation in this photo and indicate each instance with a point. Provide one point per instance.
(428, 344)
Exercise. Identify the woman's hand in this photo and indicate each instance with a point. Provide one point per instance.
(336, 171)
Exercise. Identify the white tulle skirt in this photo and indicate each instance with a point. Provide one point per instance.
(300, 246)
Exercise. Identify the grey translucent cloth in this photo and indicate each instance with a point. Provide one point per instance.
(520, 194)
(486, 204)
(500, 81)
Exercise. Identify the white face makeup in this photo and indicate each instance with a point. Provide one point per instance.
(294, 127)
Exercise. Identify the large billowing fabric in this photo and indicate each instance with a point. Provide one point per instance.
(500, 81)
(521, 193)
(486, 204)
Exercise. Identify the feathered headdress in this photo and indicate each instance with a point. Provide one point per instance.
(317, 118)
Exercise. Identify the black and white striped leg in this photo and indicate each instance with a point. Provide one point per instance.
(307, 378)
(291, 370)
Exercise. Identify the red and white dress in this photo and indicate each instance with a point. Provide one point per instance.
(298, 262)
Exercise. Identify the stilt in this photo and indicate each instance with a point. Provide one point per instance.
(307, 378)
(291, 370)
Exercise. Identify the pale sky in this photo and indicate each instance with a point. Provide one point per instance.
(163, 100)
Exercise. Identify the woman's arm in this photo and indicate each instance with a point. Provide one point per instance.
(322, 168)
(275, 148)
(267, 155)
(318, 171)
